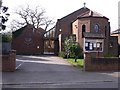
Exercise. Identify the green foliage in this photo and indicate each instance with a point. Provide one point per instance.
(62, 54)
(6, 38)
(79, 63)
(72, 49)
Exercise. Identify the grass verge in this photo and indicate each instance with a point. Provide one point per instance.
(79, 63)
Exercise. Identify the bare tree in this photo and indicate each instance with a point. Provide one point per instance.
(3, 16)
(35, 17)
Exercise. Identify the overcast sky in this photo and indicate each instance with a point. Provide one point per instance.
(59, 8)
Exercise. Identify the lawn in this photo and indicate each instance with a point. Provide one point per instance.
(79, 63)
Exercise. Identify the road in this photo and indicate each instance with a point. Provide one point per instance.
(54, 72)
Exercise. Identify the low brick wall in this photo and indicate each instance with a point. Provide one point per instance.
(101, 64)
(9, 61)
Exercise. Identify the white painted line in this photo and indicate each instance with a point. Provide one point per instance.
(19, 65)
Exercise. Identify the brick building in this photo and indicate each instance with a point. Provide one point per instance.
(64, 26)
(117, 34)
(28, 40)
(91, 29)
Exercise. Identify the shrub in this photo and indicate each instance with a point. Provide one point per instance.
(62, 54)
(72, 48)
(6, 43)
(6, 38)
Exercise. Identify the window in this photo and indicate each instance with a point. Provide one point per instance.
(88, 46)
(83, 29)
(93, 45)
(96, 28)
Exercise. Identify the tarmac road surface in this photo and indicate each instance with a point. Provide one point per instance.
(46, 71)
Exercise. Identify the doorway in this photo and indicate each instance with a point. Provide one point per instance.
(49, 46)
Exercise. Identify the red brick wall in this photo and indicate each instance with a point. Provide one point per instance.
(22, 45)
(9, 61)
(75, 29)
(101, 64)
(82, 22)
(102, 22)
(90, 22)
(65, 23)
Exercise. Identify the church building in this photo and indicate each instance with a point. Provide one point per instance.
(90, 28)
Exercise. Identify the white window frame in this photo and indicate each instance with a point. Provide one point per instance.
(93, 41)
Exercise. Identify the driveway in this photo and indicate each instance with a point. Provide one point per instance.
(54, 72)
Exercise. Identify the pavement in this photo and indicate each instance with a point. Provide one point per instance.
(47, 71)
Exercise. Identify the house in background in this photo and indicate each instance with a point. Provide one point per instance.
(117, 34)
(28, 40)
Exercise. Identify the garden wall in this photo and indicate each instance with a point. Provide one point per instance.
(101, 63)
(9, 61)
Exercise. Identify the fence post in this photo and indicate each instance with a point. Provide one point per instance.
(12, 58)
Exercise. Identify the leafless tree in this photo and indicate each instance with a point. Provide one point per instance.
(3, 16)
(35, 17)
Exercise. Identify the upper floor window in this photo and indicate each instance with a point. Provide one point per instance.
(83, 29)
(96, 28)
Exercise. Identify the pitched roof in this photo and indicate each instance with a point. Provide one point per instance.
(116, 31)
(91, 13)
(81, 10)
(19, 31)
